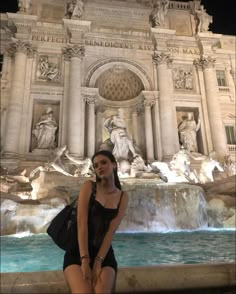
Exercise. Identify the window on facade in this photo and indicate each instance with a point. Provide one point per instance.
(1, 63)
(220, 74)
(230, 135)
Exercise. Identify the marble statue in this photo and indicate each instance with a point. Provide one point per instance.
(24, 6)
(178, 169)
(45, 130)
(203, 20)
(158, 13)
(188, 133)
(166, 173)
(74, 9)
(54, 164)
(78, 9)
(18, 176)
(180, 164)
(85, 165)
(208, 164)
(229, 166)
(122, 144)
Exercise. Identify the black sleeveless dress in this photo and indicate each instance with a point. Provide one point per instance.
(99, 218)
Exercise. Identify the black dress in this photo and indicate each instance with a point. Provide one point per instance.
(99, 218)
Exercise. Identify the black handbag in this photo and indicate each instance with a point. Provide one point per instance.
(63, 227)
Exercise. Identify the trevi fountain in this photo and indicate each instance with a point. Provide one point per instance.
(139, 79)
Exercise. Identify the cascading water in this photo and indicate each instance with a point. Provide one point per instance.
(163, 207)
(154, 206)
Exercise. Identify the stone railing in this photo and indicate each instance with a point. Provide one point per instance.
(232, 148)
(179, 5)
(224, 89)
(232, 152)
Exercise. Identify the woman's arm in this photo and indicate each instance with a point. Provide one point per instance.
(82, 217)
(113, 227)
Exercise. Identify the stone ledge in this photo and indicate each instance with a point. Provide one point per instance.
(144, 279)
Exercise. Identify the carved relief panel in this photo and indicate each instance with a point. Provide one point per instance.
(48, 68)
(183, 78)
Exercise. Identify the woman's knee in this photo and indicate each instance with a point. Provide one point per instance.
(74, 278)
(105, 283)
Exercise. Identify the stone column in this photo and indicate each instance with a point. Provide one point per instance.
(213, 107)
(75, 123)
(91, 126)
(19, 49)
(148, 129)
(134, 114)
(232, 72)
(100, 108)
(166, 105)
(157, 129)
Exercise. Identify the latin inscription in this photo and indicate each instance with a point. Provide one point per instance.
(49, 39)
(116, 44)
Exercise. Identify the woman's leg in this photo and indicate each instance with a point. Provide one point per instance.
(106, 281)
(74, 278)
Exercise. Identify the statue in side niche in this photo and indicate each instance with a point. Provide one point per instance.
(45, 130)
(188, 129)
(158, 13)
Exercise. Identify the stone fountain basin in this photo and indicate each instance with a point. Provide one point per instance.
(175, 278)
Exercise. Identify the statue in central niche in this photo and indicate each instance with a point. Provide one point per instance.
(122, 144)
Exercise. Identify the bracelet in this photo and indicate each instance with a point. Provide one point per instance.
(84, 257)
(99, 258)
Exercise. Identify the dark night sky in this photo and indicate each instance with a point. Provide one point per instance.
(223, 12)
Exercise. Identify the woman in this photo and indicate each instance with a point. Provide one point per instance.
(91, 268)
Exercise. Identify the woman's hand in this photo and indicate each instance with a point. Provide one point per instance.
(86, 271)
(97, 268)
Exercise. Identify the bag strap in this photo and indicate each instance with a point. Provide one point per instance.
(94, 188)
(120, 200)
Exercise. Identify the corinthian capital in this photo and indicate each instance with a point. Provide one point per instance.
(73, 51)
(161, 58)
(136, 109)
(20, 46)
(205, 62)
(90, 99)
(149, 102)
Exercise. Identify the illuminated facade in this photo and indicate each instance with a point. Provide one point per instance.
(84, 65)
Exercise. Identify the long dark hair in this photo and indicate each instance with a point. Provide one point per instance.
(109, 155)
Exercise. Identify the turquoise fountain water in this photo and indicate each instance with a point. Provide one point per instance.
(18, 253)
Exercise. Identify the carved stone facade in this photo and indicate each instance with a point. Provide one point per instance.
(87, 63)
